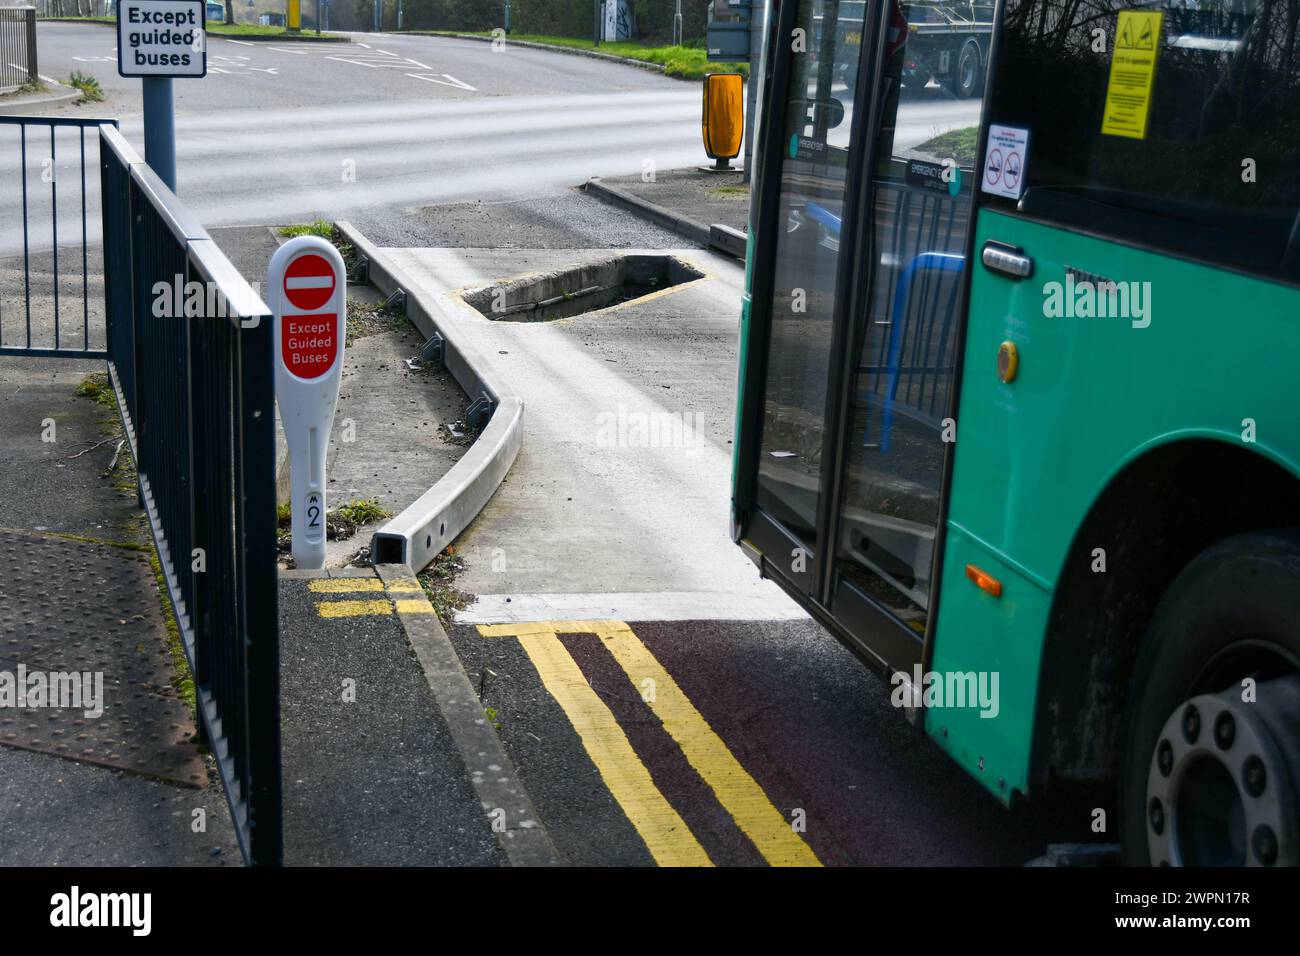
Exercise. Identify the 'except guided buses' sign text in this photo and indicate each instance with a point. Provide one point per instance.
(161, 38)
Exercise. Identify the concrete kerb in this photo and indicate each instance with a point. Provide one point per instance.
(22, 105)
(515, 821)
(718, 236)
(529, 45)
(695, 232)
(417, 535)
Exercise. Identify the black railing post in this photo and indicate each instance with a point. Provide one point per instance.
(33, 74)
(256, 521)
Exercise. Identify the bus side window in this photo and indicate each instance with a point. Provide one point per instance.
(1213, 176)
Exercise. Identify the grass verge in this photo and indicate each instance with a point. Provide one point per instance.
(958, 144)
(228, 29)
(684, 62)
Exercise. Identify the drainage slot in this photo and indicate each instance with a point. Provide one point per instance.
(589, 288)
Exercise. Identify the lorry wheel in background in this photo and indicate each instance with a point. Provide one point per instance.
(968, 79)
(1210, 773)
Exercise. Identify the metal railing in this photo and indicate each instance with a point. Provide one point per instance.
(17, 47)
(47, 304)
(191, 358)
(910, 370)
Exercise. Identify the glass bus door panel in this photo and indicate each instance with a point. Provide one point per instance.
(898, 431)
(813, 179)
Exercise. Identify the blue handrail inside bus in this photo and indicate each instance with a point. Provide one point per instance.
(923, 262)
(824, 216)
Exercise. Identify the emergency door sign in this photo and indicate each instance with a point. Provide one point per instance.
(307, 288)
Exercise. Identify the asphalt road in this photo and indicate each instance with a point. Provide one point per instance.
(286, 132)
(289, 132)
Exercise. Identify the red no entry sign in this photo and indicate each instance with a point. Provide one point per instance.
(309, 282)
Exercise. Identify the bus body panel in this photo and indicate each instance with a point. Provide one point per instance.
(1024, 480)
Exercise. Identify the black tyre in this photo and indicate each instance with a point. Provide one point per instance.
(1210, 771)
(968, 79)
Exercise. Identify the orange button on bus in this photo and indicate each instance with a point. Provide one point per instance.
(1008, 361)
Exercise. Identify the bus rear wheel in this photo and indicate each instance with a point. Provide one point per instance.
(1210, 773)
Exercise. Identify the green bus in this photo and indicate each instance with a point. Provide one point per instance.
(1018, 399)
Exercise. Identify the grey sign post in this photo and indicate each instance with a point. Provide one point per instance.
(157, 41)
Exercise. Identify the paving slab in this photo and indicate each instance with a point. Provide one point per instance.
(595, 503)
(78, 595)
(702, 197)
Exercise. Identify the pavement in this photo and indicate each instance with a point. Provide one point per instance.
(372, 774)
(130, 787)
(55, 94)
(692, 195)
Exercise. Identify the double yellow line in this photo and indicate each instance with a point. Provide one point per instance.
(666, 835)
(367, 607)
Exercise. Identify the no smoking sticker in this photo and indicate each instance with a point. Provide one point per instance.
(1005, 159)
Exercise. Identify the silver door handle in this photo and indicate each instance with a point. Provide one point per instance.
(1009, 260)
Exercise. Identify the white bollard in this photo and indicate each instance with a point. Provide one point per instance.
(306, 287)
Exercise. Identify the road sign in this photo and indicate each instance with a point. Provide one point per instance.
(307, 289)
(162, 38)
(309, 282)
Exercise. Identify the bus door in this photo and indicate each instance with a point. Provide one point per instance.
(896, 424)
(863, 211)
(819, 44)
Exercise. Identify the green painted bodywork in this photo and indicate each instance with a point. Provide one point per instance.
(1092, 396)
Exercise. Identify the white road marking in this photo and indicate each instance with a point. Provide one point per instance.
(649, 606)
(366, 45)
(279, 49)
(448, 81)
(240, 42)
(274, 71)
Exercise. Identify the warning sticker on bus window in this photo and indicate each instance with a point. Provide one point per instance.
(1132, 73)
(1005, 159)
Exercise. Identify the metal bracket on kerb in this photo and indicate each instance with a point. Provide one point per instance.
(396, 302)
(360, 274)
(480, 411)
(435, 350)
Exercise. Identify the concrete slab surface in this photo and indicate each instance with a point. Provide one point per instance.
(623, 481)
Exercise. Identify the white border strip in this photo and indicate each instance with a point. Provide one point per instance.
(631, 606)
